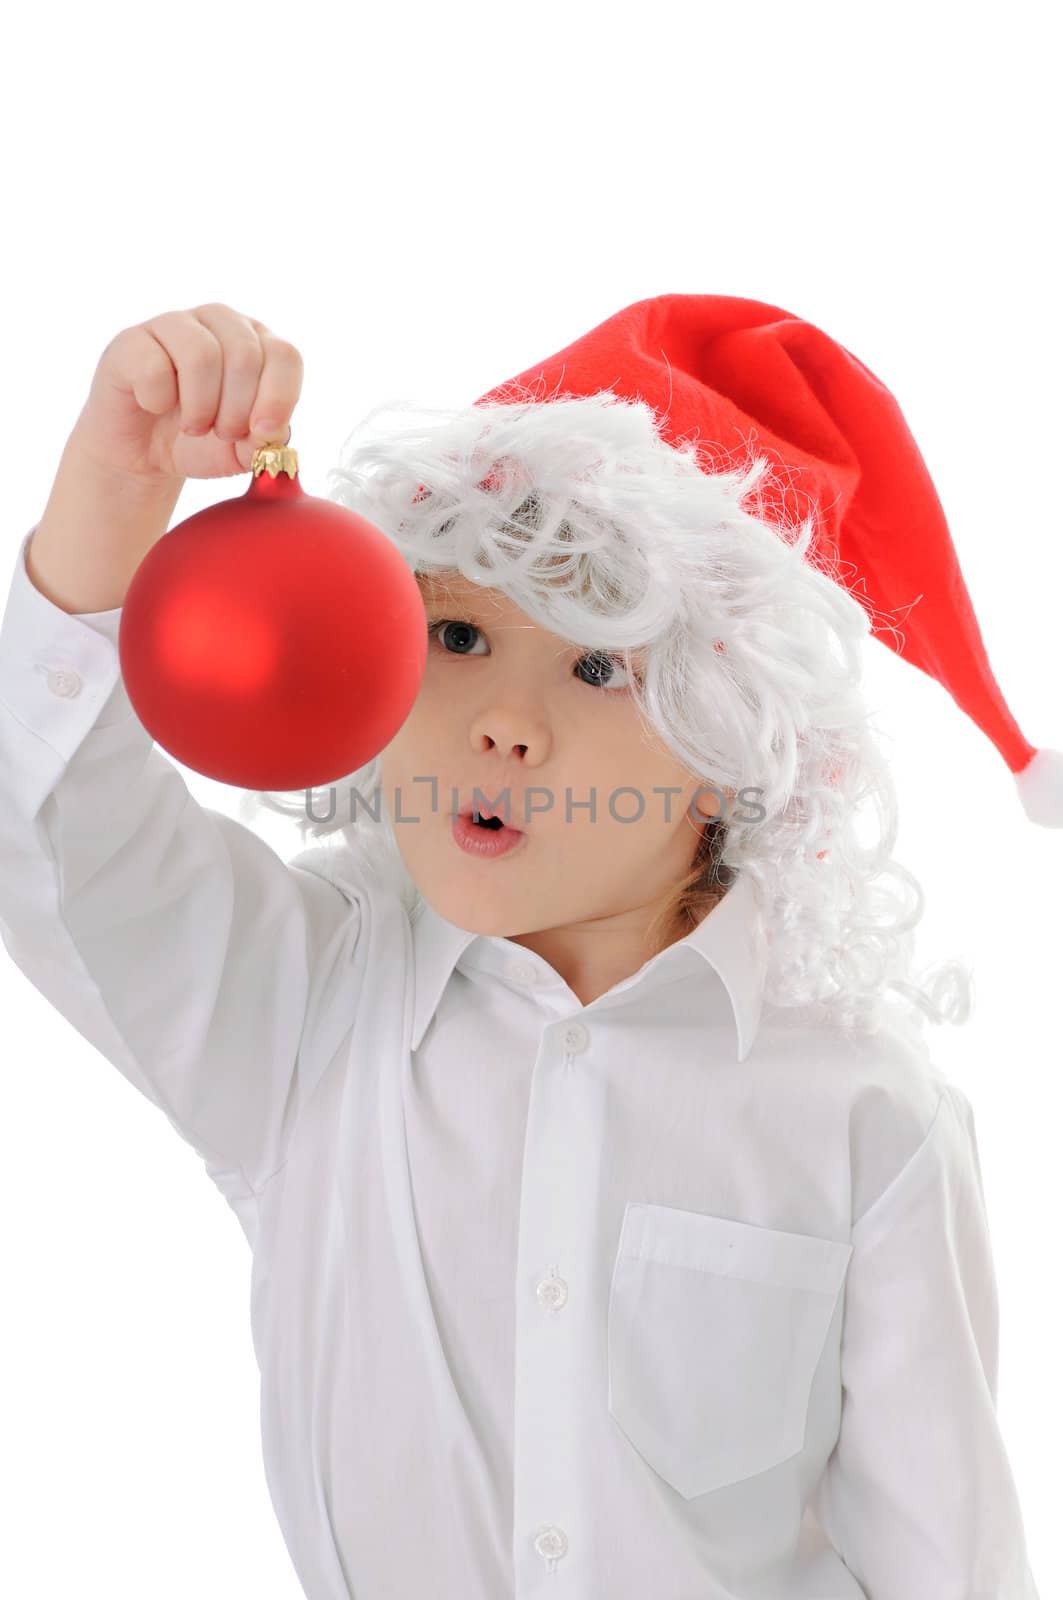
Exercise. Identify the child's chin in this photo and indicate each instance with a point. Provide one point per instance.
(504, 919)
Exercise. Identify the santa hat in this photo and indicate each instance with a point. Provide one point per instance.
(731, 372)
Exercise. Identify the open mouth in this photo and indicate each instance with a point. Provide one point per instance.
(489, 823)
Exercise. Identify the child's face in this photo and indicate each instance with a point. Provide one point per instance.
(505, 704)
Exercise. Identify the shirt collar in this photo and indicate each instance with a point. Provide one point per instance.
(731, 940)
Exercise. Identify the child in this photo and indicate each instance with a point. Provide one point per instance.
(612, 1230)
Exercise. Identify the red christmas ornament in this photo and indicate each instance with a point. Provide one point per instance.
(274, 641)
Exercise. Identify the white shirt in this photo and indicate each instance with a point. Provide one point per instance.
(669, 1294)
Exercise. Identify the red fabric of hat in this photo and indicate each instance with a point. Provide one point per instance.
(729, 372)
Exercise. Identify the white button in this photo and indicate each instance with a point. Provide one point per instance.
(575, 1037)
(551, 1543)
(522, 971)
(64, 681)
(552, 1291)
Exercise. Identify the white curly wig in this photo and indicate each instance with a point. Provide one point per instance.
(750, 670)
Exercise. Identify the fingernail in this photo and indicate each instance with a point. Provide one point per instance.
(264, 427)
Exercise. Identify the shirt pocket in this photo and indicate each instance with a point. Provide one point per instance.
(715, 1331)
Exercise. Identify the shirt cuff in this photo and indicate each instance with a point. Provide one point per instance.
(59, 671)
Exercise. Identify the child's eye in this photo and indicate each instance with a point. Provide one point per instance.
(435, 628)
(602, 669)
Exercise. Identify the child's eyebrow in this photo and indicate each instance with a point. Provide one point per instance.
(470, 605)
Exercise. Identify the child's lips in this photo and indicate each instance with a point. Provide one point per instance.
(487, 842)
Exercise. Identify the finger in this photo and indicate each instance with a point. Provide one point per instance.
(279, 388)
(196, 356)
(242, 362)
(197, 363)
(137, 363)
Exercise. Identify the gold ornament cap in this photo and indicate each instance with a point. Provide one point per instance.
(274, 459)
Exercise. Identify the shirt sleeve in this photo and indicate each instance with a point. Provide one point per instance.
(173, 938)
(917, 1496)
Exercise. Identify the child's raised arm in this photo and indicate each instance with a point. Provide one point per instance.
(188, 394)
(170, 936)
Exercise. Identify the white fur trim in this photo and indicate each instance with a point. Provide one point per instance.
(1040, 786)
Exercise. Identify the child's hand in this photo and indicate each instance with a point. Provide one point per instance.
(210, 371)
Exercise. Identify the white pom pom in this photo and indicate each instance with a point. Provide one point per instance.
(1040, 786)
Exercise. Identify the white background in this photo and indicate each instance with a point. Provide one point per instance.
(426, 201)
